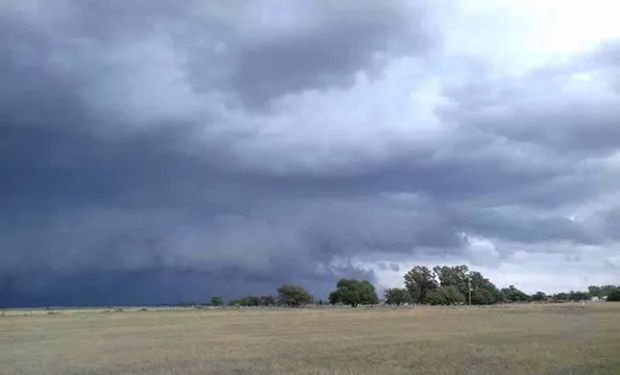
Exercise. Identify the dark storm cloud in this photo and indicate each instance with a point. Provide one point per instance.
(90, 206)
(139, 164)
(254, 53)
(328, 51)
(523, 227)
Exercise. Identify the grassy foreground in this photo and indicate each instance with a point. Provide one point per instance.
(526, 339)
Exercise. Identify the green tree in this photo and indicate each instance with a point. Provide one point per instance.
(217, 301)
(482, 296)
(539, 297)
(246, 301)
(601, 291)
(560, 297)
(607, 289)
(396, 296)
(481, 283)
(267, 301)
(614, 295)
(579, 296)
(595, 291)
(292, 295)
(419, 282)
(436, 297)
(453, 295)
(453, 276)
(445, 296)
(354, 292)
(512, 294)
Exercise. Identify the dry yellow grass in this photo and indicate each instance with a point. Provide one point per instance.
(526, 339)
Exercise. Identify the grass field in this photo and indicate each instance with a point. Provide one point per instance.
(524, 339)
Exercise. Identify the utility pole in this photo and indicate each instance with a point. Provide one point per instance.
(469, 286)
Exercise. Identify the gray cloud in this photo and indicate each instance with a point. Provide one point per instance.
(152, 153)
(570, 107)
(341, 40)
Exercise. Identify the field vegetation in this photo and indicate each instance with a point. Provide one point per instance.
(553, 339)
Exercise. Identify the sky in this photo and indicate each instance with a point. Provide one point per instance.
(159, 152)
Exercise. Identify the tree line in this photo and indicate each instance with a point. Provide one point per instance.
(453, 285)
(441, 285)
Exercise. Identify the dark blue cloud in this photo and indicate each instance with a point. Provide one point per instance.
(142, 159)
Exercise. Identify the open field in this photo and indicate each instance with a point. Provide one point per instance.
(524, 339)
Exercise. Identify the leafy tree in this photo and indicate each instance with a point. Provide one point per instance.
(539, 297)
(560, 297)
(396, 296)
(601, 291)
(436, 297)
(267, 301)
(579, 296)
(453, 276)
(512, 294)
(445, 296)
(291, 295)
(482, 296)
(595, 291)
(452, 283)
(608, 289)
(453, 295)
(253, 301)
(217, 301)
(419, 282)
(353, 292)
(246, 301)
(491, 293)
(614, 295)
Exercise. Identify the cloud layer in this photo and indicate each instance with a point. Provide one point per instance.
(155, 154)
